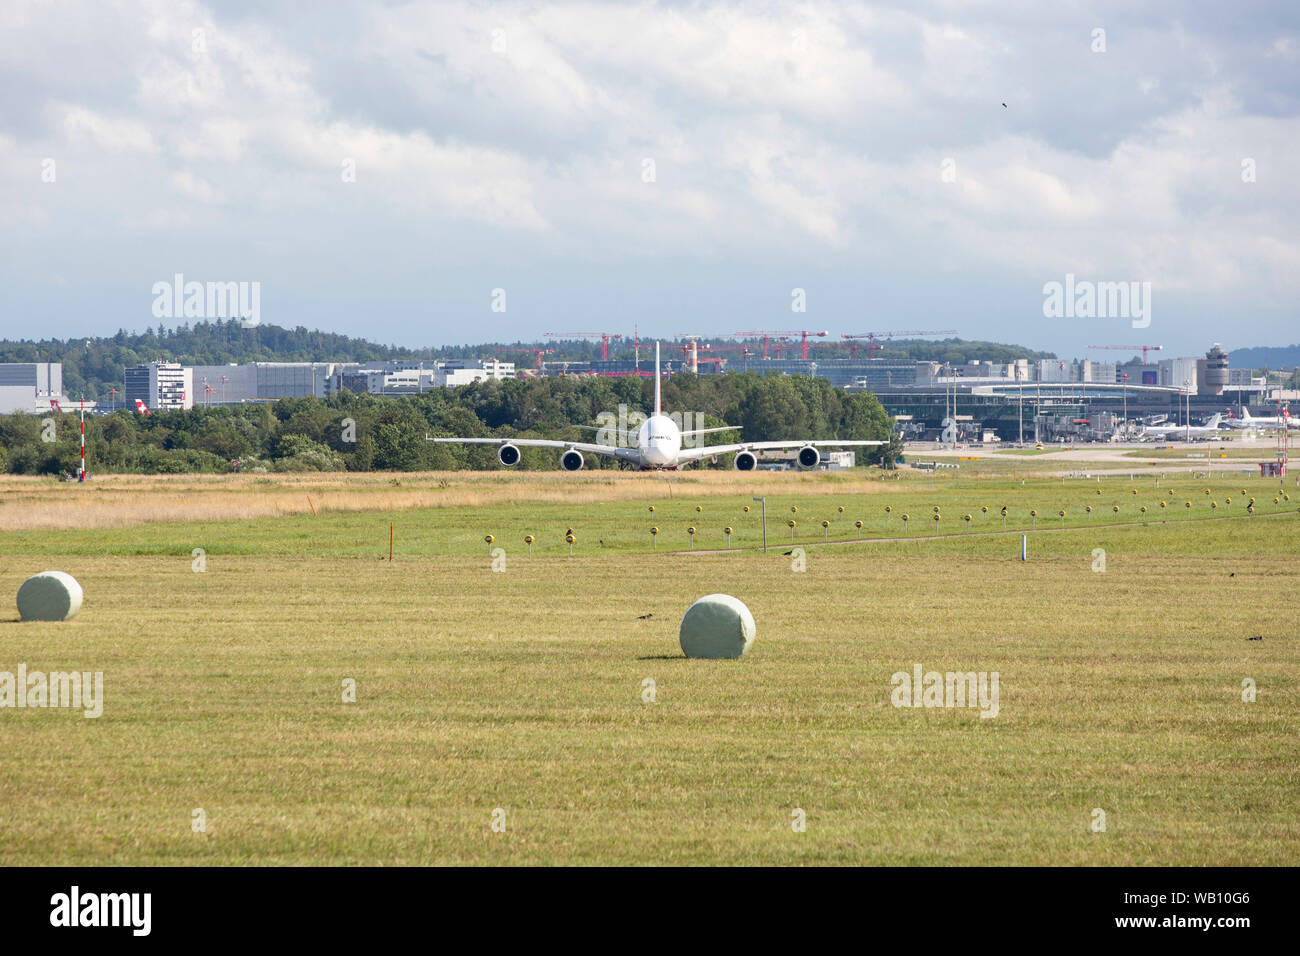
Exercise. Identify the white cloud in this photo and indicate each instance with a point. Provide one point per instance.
(812, 131)
(82, 125)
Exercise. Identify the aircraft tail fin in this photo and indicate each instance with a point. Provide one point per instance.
(658, 405)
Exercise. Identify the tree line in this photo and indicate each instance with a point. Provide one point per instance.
(92, 367)
(361, 432)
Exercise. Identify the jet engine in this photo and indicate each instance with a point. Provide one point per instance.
(809, 457)
(571, 460)
(508, 455)
(746, 461)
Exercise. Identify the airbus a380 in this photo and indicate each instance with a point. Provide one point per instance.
(659, 445)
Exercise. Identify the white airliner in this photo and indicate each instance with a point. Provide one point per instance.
(659, 445)
(1247, 420)
(1190, 431)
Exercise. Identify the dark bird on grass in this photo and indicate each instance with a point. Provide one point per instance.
(1233, 574)
(1257, 637)
(602, 542)
(646, 617)
(787, 553)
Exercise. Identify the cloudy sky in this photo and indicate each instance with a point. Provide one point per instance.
(381, 168)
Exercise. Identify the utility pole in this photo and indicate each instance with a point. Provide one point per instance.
(81, 474)
(1125, 423)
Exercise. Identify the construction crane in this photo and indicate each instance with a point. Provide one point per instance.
(744, 350)
(872, 336)
(528, 348)
(766, 339)
(802, 333)
(691, 351)
(1144, 349)
(605, 339)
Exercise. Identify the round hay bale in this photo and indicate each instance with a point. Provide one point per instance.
(716, 626)
(49, 596)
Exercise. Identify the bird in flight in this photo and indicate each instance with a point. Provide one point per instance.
(1004, 105)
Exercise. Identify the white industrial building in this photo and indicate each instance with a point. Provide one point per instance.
(453, 373)
(409, 379)
(160, 385)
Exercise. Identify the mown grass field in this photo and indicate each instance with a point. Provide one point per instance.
(523, 689)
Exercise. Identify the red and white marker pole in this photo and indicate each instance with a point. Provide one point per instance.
(82, 475)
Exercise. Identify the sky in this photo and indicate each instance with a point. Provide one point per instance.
(450, 173)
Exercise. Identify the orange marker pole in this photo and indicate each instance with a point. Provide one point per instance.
(312, 506)
(390, 541)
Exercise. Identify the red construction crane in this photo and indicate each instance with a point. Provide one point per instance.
(872, 336)
(605, 339)
(528, 348)
(802, 333)
(1144, 349)
(691, 351)
(766, 339)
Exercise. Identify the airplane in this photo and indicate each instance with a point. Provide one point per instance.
(1190, 431)
(659, 445)
(1247, 420)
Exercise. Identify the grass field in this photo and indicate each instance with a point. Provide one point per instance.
(523, 689)
(1188, 453)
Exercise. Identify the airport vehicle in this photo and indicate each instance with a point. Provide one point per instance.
(656, 445)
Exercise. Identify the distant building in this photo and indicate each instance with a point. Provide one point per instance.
(1179, 373)
(879, 374)
(160, 385)
(1102, 372)
(1139, 374)
(224, 384)
(30, 386)
(451, 374)
(261, 381)
(411, 378)
(1057, 370)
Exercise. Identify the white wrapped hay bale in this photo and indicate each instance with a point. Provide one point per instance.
(717, 625)
(49, 596)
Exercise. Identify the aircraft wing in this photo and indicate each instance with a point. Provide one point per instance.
(709, 451)
(623, 454)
